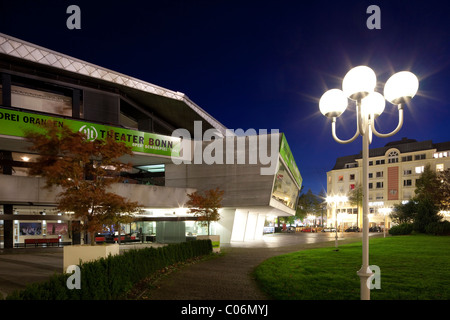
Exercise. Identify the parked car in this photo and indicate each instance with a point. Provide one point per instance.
(308, 229)
(329, 230)
(352, 229)
(375, 229)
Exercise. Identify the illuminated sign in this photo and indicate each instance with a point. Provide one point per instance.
(16, 123)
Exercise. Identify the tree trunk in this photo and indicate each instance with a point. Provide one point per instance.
(92, 238)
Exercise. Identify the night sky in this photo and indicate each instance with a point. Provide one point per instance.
(262, 64)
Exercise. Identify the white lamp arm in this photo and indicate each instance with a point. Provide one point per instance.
(400, 124)
(333, 131)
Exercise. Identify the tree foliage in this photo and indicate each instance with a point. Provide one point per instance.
(205, 205)
(84, 170)
(431, 195)
(308, 204)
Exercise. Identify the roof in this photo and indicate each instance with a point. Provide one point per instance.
(166, 103)
(404, 145)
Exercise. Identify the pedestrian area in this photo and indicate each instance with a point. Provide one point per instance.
(225, 277)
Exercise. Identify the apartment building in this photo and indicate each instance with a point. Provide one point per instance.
(393, 172)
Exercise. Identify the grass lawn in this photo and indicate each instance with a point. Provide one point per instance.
(411, 267)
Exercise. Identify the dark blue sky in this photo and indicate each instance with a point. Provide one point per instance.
(262, 64)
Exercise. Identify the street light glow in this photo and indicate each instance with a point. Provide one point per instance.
(333, 103)
(359, 82)
(401, 87)
(374, 104)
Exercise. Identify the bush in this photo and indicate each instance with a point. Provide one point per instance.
(401, 229)
(112, 277)
(438, 228)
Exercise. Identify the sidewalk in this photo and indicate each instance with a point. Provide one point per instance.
(228, 277)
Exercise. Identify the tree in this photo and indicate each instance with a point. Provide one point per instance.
(427, 186)
(443, 178)
(308, 204)
(84, 170)
(404, 213)
(205, 205)
(427, 213)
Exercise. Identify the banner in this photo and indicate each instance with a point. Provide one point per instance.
(15, 123)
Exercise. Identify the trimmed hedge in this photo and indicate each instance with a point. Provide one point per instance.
(109, 278)
(401, 229)
(441, 228)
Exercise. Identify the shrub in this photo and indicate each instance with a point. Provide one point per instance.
(401, 229)
(438, 228)
(110, 278)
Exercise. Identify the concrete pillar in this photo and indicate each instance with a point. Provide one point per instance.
(8, 227)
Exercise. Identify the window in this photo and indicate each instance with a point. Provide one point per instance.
(407, 183)
(42, 100)
(370, 163)
(406, 158)
(370, 185)
(419, 170)
(440, 167)
(420, 156)
(380, 174)
(370, 175)
(441, 154)
(352, 187)
(352, 177)
(379, 185)
(284, 189)
(407, 172)
(378, 162)
(393, 157)
(341, 178)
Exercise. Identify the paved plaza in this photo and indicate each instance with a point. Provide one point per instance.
(226, 277)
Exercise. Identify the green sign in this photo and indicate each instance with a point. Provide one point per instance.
(289, 160)
(16, 123)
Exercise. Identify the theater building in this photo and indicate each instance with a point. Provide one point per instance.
(38, 85)
(393, 172)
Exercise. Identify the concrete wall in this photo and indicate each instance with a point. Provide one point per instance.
(243, 184)
(20, 189)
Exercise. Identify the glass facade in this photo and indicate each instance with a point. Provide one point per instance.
(284, 189)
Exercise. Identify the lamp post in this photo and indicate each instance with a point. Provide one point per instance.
(335, 200)
(359, 85)
(385, 211)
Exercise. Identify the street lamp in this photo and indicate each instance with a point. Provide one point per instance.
(335, 200)
(385, 212)
(359, 85)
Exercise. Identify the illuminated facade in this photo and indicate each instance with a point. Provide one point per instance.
(38, 84)
(393, 172)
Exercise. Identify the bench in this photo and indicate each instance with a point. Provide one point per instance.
(42, 241)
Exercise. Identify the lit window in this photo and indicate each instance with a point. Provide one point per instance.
(440, 167)
(419, 169)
